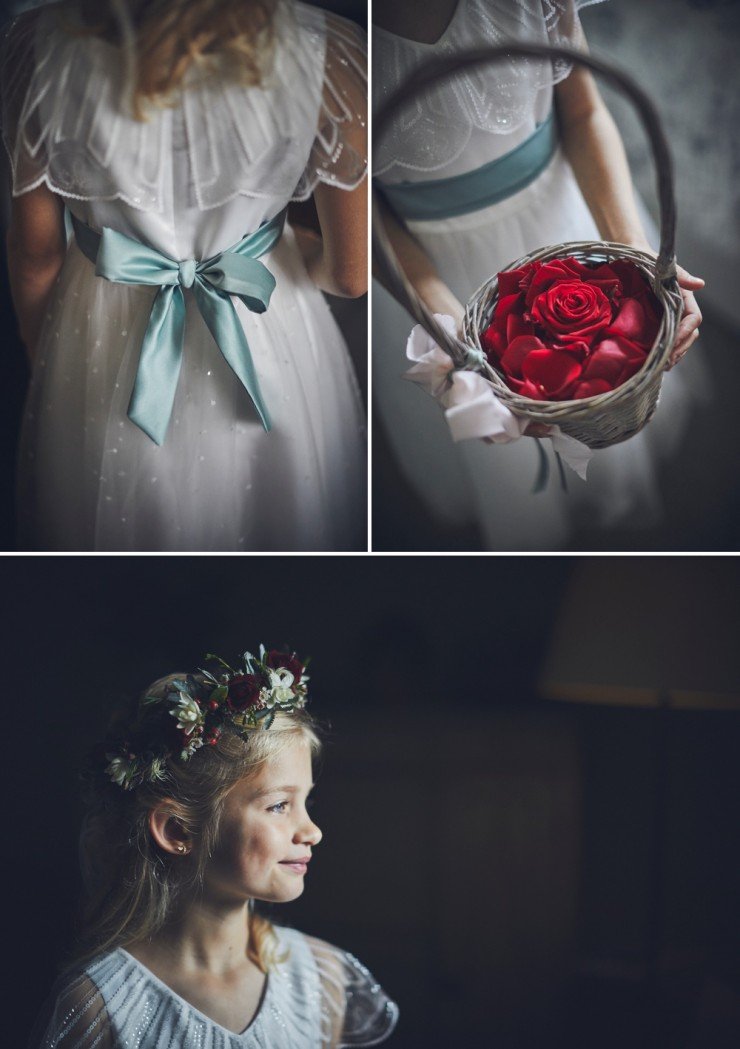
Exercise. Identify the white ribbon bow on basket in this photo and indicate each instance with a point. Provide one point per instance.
(471, 408)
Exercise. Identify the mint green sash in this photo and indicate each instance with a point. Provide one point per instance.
(235, 271)
(445, 198)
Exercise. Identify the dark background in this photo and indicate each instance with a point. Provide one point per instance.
(488, 854)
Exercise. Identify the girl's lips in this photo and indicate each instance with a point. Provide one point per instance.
(299, 866)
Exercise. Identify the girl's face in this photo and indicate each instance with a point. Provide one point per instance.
(266, 835)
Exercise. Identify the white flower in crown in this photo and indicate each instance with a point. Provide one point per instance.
(187, 712)
(281, 686)
(120, 770)
(194, 744)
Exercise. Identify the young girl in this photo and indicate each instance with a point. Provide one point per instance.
(580, 189)
(197, 808)
(190, 387)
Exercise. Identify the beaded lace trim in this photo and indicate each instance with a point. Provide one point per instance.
(433, 131)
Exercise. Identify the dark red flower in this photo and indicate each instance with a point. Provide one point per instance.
(244, 691)
(571, 310)
(276, 659)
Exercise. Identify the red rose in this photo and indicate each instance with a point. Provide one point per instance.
(563, 330)
(572, 311)
(277, 659)
(549, 273)
(244, 691)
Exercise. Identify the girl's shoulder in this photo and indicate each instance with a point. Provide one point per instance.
(74, 1016)
(353, 1009)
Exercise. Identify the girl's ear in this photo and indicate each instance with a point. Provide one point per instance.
(167, 830)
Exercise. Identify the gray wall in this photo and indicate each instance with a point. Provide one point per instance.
(684, 52)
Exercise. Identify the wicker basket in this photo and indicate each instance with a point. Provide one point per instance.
(597, 421)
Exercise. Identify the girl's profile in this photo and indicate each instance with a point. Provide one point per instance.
(196, 807)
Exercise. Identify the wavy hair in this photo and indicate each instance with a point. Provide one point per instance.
(162, 39)
(133, 888)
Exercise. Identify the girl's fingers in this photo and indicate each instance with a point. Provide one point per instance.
(689, 324)
(680, 349)
(688, 280)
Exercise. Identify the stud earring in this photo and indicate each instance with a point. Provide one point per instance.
(181, 848)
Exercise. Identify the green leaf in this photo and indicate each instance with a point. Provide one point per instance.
(217, 659)
(219, 694)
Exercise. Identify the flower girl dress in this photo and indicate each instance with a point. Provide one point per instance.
(463, 124)
(190, 182)
(318, 997)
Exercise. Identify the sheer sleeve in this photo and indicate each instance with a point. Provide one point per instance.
(21, 130)
(339, 151)
(355, 1010)
(65, 121)
(75, 1017)
(496, 99)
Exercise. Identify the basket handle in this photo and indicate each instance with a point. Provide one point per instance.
(442, 68)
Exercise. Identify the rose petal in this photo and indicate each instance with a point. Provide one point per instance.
(589, 388)
(551, 370)
(614, 360)
(516, 351)
(516, 325)
(528, 389)
(493, 342)
(510, 281)
(506, 305)
(547, 274)
(631, 321)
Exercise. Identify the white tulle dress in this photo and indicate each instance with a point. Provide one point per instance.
(470, 121)
(190, 181)
(319, 997)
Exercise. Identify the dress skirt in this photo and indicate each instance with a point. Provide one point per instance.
(92, 480)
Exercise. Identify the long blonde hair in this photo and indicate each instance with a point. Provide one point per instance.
(132, 887)
(162, 39)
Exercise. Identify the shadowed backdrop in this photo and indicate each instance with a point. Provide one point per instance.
(489, 854)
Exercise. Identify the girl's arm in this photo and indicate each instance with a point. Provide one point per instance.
(37, 245)
(595, 151)
(337, 260)
(420, 270)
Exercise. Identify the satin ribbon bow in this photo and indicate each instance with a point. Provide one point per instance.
(471, 408)
(236, 271)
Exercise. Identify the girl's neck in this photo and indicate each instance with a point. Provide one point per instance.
(207, 936)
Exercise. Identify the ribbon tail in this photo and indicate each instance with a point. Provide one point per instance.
(160, 360)
(543, 469)
(576, 454)
(224, 325)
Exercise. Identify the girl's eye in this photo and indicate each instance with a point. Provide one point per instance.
(280, 807)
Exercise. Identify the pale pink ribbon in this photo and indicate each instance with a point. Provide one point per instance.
(471, 407)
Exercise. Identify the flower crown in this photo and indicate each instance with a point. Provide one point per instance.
(244, 698)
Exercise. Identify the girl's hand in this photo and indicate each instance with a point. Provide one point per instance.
(688, 327)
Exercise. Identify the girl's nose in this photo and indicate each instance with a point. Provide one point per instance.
(308, 833)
